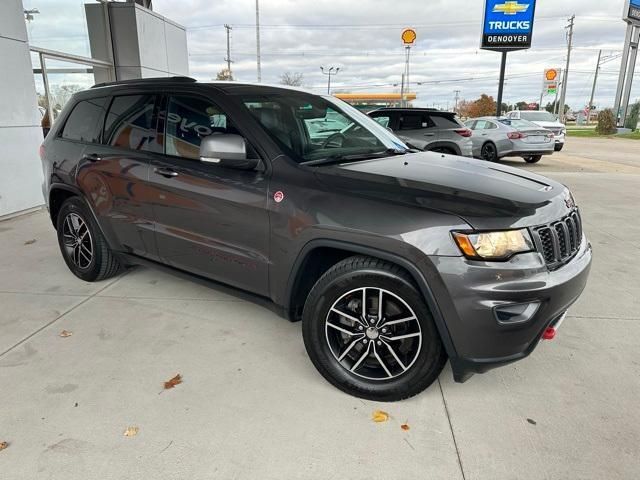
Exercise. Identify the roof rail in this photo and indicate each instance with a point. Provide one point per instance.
(146, 80)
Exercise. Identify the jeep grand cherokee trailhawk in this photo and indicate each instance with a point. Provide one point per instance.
(394, 260)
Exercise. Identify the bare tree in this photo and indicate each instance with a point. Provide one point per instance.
(294, 79)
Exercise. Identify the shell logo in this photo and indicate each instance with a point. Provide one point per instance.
(551, 74)
(408, 36)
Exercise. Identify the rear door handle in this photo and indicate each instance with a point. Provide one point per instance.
(429, 134)
(92, 157)
(166, 172)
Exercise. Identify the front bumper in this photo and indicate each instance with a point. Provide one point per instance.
(473, 293)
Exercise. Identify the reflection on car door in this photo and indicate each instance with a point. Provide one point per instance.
(114, 173)
(210, 220)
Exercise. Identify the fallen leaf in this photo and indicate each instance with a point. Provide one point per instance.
(177, 380)
(380, 416)
(30, 242)
(405, 426)
(532, 421)
(3, 445)
(65, 333)
(131, 432)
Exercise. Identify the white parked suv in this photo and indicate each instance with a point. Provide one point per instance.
(544, 119)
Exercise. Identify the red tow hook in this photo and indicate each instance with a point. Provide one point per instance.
(549, 333)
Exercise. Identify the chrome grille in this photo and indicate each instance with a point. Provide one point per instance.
(559, 241)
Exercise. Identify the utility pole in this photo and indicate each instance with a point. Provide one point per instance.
(563, 97)
(593, 89)
(503, 65)
(329, 72)
(258, 41)
(457, 96)
(228, 28)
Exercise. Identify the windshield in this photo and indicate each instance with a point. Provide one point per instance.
(538, 116)
(311, 128)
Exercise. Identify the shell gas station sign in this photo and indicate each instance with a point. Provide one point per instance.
(550, 80)
(408, 37)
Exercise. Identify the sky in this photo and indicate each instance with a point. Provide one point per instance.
(363, 39)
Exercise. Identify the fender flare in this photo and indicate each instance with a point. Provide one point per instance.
(415, 273)
(444, 144)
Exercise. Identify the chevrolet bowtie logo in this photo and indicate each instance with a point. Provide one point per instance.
(510, 7)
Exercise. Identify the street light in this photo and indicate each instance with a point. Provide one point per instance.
(329, 72)
(29, 14)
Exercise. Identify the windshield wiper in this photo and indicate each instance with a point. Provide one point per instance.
(354, 157)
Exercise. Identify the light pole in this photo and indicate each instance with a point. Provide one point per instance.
(329, 72)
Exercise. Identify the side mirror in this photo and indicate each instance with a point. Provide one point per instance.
(227, 150)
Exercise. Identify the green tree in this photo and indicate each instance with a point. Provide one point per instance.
(633, 117)
(606, 123)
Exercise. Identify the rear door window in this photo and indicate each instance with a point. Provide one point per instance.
(412, 121)
(85, 121)
(131, 123)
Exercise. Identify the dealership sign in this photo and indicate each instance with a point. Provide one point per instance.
(508, 24)
(632, 11)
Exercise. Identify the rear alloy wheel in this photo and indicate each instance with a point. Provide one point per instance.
(369, 333)
(532, 158)
(489, 152)
(445, 150)
(84, 249)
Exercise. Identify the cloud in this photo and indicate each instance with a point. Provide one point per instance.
(363, 39)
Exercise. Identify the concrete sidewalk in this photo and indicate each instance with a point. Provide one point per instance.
(253, 407)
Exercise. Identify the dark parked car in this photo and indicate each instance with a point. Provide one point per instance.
(427, 129)
(394, 260)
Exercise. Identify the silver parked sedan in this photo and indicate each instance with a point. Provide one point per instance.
(494, 138)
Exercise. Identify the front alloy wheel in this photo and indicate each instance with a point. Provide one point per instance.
(369, 332)
(373, 333)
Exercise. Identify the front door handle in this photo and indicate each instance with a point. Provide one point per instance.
(166, 172)
(92, 157)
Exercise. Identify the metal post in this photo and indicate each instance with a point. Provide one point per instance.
(593, 89)
(555, 100)
(623, 71)
(258, 41)
(228, 59)
(457, 92)
(630, 71)
(402, 91)
(563, 97)
(503, 65)
(47, 92)
(329, 72)
(408, 48)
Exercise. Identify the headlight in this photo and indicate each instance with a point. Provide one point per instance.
(494, 245)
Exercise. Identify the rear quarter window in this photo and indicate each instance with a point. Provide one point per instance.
(85, 121)
(445, 122)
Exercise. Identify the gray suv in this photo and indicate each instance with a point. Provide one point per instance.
(427, 129)
(394, 260)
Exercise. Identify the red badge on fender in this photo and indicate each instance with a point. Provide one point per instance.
(278, 196)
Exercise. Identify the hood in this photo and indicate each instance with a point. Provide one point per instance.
(485, 195)
(548, 124)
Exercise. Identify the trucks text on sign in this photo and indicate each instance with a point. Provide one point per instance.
(508, 24)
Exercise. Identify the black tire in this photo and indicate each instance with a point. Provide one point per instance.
(489, 152)
(558, 147)
(427, 358)
(532, 158)
(99, 262)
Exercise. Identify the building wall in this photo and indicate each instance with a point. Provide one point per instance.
(145, 44)
(20, 130)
